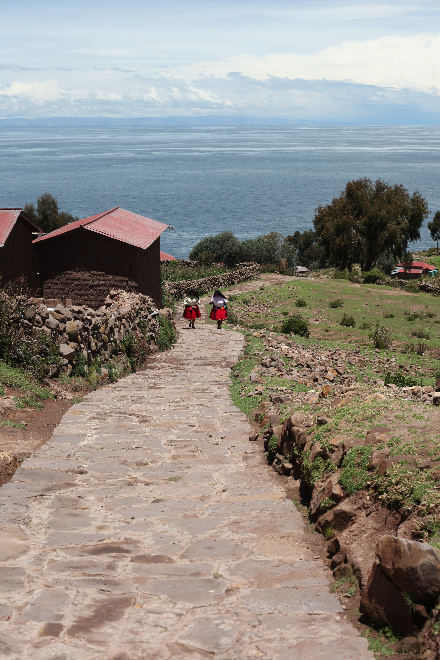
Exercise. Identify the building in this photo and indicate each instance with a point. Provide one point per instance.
(167, 257)
(417, 269)
(114, 249)
(18, 260)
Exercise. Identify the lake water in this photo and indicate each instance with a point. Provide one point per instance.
(250, 180)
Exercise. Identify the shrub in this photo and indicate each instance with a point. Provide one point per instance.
(421, 334)
(166, 336)
(22, 347)
(381, 337)
(348, 321)
(374, 276)
(400, 379)
(412, 316)
(300, 303)
(340, 275)
(388, 315)
(365, 326)
(335, 303)
(412, 286)
(296, 325)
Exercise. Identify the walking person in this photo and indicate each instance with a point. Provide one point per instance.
(191, 310)
(219, 311)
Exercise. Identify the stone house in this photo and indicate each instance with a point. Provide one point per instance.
(18, 260)
(116, 249)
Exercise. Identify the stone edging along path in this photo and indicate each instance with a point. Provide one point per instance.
(149, 527)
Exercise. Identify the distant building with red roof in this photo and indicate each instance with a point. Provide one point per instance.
(167, 257)
(86, 258)
(417, 269)
(18, 261)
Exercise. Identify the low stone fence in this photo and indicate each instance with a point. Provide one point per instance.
(85, 335)
(242, 272)
(428, 287)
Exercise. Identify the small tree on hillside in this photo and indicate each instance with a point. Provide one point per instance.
(47, 215)
(224, 247)
(434, 228)
(368, 219)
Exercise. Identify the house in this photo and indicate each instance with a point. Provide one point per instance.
(18, 260)
(167, 257)
(417, 269)
(87, 258)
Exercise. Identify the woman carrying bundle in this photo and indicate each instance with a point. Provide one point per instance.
(219, 311)
(191, 310)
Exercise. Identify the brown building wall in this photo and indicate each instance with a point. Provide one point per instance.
(84, 266)
(18, 260)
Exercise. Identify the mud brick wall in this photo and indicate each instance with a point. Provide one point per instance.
(18, 260)
(88, 333)
(88, 288)
(243, 272)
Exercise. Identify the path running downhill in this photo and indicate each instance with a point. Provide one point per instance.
(150, 527)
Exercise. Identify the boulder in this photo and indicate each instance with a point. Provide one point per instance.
(66, 351)
(329, 489)
(414, 567)
(337, 519)
(51, 323)
(384, 602)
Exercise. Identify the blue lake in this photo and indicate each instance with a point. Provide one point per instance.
(250, 180)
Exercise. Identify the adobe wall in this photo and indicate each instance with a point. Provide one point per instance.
(18, 260)
(241, 273)
(85, 266)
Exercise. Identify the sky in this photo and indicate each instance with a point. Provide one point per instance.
(336, 61)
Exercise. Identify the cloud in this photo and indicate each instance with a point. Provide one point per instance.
(389, 61)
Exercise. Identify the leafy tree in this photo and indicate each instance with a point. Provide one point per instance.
(406, 261)
(47, 215)
(224, 247)
(310, 252)
(367, 220)
(434, 228)
(265, 249)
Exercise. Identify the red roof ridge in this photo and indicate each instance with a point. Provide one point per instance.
(92, 218)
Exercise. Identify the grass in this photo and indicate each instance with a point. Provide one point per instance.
(14, 425)
(177, 271)
(21, 380)
(402, 315)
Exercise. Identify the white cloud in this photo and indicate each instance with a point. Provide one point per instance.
(389, 61)
(39, 92)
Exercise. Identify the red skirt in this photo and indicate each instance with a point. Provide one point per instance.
(191, 312)
(218, 314)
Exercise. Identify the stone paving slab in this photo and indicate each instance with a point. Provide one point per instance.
(149, 527)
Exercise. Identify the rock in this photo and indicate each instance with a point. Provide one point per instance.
(42, 311)
(437, 384)
(322, 420)
(253, 437)
(325, 391)
(300, 420)
(436, 399)
(30, 312)
(382, 601)
(377, 457)
(414, 567)
(343, 570)
(51, 323)
(338, 518)
(333, 546)
(327, 490)
(72, 330)
(337, 559)
(66, 351)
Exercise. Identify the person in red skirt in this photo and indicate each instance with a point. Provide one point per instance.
(191, 310)
(219, 311)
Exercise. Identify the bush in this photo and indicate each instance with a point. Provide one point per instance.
(348, 321)
(365, 326)
(374, 276)
(224, 247)
(381, 337)
(22, 347)
(296, 325)
(300, 303)
(335, 303)
(412, 286)
(400, 379)
(166, 336)
(421, 334)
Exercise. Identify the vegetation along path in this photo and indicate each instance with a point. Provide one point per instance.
(150, 527)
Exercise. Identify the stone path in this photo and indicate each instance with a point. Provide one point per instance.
(150, 527)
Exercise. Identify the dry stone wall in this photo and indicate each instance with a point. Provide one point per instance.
(87, 334)
(243, 272)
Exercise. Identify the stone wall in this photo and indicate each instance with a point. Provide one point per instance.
(430, 287)
(87, 334)
(242, 272)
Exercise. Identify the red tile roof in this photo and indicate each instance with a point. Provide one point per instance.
(8, 218)
(419, 264)
(167, 257)
(116, 223)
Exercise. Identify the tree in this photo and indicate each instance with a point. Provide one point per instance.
(47, 215)
(367, 220)
(224, 247)
(434, 228)
(310, 252)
